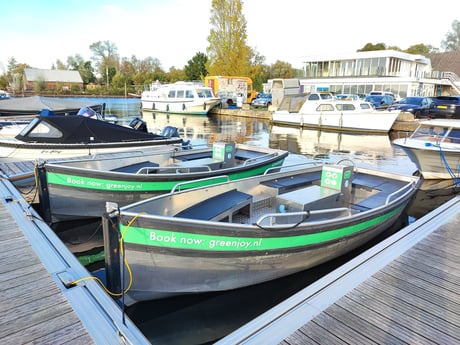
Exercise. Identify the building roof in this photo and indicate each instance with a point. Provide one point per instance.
(53, 75)
(367, 55)
(445, 62)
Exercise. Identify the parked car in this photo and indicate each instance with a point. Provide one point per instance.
(380, 101)
(263, 100)
(447, 107)
(384, 93)
(347, 96)
(419, 106)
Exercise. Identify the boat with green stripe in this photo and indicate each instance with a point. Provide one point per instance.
(74, 189)
(238, 233)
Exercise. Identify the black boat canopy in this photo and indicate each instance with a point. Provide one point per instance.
(80, 129)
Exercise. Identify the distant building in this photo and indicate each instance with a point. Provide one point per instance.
(401, 73)
(53, 78)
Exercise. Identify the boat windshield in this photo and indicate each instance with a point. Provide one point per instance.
(38, 128)
(205, 93)
(430, 131)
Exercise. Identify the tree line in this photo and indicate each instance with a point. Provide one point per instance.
(226, 54)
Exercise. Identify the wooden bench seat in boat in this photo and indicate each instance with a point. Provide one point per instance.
(218, 207)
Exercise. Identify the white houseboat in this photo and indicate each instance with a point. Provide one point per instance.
(179, 98)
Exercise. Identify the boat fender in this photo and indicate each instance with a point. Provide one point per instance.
(204, 106)
(167, 107)
(153, 106)
(282, 208)
(183, 106)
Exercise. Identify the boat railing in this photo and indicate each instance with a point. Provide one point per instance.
(199, 182)
(410, 186)
(255, 159)
(304, 214)
(178, 170)
(276, 169)
(168, 149)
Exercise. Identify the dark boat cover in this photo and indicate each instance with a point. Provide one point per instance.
(35, 104)
(80, 129)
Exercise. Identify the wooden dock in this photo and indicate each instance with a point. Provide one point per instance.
(39, 304)
(404, 290)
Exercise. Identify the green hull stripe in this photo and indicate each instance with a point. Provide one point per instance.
(182, 240)
(75, 181)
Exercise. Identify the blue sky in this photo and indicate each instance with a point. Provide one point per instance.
(39, 32)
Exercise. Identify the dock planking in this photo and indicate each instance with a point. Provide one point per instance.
(404, 290)
(37, 305)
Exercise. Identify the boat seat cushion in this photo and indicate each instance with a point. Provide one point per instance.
(246, 154)
(289, 183)
(217, 207)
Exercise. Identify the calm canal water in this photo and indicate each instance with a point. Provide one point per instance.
(205, 318)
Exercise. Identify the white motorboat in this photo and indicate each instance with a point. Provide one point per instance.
(180, 98)
(59, 136)
(333, 114)
(434, 147)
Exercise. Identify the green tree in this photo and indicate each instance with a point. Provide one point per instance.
(420, 49)
(282, 69)
(196, 67)
(77, 63)
(371, 47)
(105, 56)
(228, 52)
(60, 65)
(452, 40)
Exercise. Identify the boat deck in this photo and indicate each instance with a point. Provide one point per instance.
(404, 290)
(39, 305)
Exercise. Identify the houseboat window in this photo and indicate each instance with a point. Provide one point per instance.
(188, 94)
(180, 94)
(325, 107)
(172, 94)
(345, 107)
(365, 105)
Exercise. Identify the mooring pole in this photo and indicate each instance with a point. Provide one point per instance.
(110, 227)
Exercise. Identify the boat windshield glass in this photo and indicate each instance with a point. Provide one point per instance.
(205, 93)
(42, 129)
(429, 131)
(345, 107)
(454, 136)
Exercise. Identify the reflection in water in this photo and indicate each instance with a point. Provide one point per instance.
(432, 194)
(204, 318)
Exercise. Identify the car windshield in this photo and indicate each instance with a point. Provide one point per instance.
(411, 100)
(373, 98)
